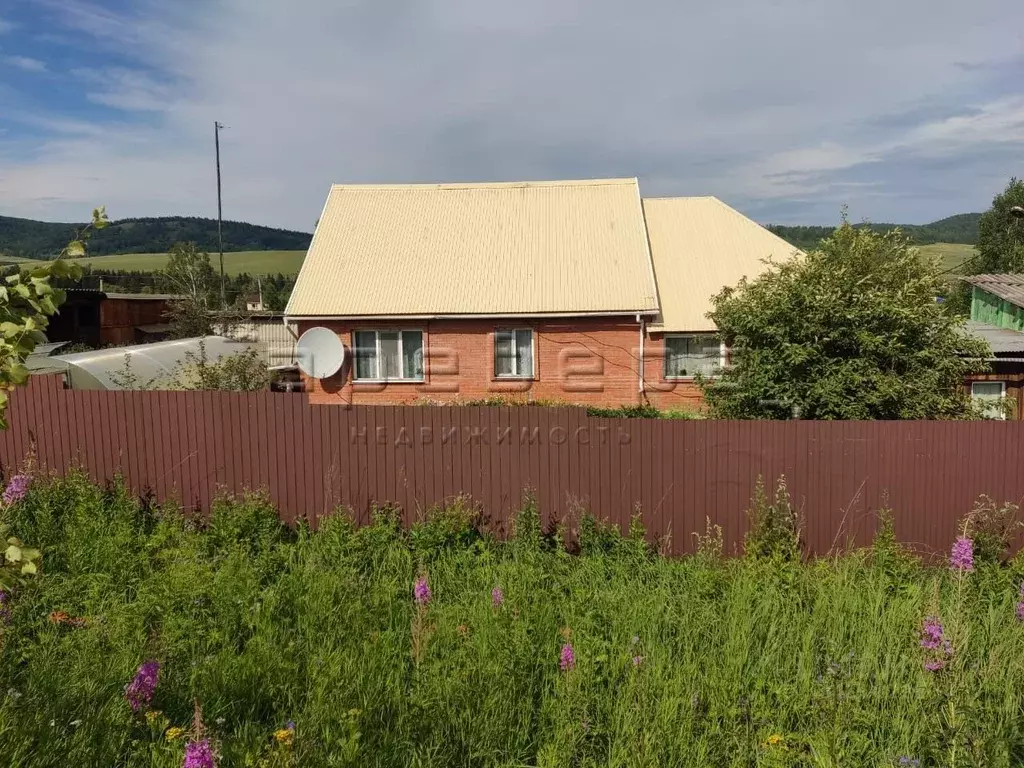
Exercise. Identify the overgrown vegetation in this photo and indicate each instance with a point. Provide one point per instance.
(851, 331)
(150, 632)
(244, 371)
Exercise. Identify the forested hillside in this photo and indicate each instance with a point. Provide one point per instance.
(41, 239)
(962, 228)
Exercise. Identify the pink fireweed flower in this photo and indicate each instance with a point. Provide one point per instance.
(1020, 605)
(962, 556)
(16, 489)
(139, 692)
(638, 660)
(568, 658)
(497, 597)
(933, 639)
(421, 591)
(199, 754)
(931, 633)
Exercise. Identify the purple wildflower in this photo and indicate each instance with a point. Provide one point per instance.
(568, 659)
(5, 609)
(962, 556)
(199, 754)
(421, 592)
(909, 762)
(290, 725)
(16, 489)
(935, 665)
(638, 660)
(139, 691)
(497, 597)
(931, 633)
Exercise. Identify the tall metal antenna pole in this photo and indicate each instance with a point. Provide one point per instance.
(220, 215)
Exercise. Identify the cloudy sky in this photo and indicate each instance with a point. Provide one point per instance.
(904, 110)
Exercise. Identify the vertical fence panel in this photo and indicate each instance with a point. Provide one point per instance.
(313, 458)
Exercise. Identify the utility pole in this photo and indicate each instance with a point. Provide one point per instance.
(220, 214)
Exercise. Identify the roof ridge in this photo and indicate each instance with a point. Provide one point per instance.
(494, 184)
(684, 197)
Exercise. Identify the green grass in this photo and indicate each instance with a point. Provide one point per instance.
(253, 262)
(5, 259)
(951, 255)
(739, 662)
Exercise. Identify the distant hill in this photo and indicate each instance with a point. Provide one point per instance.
(43, 239)
(961, 229)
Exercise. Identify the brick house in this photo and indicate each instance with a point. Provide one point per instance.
(569, 291)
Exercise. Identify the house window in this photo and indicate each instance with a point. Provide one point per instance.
(686, 356)
(388, 355)
(989, 395)
(513, 354)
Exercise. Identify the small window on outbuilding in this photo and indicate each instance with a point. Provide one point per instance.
(990, 395)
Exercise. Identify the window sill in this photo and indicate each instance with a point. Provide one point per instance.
(513, 378)
(378, 382)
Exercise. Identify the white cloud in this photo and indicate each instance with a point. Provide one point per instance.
(5, 26)
(125, 89)
(765, 105)
(25, 63)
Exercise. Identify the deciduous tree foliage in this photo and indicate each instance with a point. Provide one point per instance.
(190, 275)
(27, 302)
(1001, 234)
(849, 331)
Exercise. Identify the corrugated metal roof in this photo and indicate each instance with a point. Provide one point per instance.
(1001, 340)
(1005, 286)
(468, 249)
(699, 246)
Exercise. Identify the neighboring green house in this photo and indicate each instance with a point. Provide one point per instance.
(997, 316)
(998, 300)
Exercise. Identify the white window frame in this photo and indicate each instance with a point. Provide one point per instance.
(723, 354)
(515, 355)
(1002, 396)
(377, 379)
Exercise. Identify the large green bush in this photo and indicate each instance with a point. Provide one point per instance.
(757, 661)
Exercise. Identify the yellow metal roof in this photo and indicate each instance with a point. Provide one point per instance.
(478, 249)
(699, 246)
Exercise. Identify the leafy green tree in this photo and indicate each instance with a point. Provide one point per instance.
(1001, 234)
(851, 331)
(191, 277)
(27, 302)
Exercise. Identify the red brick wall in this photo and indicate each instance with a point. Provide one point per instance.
(591, 361)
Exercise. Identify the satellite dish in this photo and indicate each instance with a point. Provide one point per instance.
(320, 353)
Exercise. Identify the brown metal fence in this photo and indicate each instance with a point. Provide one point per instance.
(191, 445)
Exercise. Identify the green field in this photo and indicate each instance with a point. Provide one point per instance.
(951, 255)
(253, 262)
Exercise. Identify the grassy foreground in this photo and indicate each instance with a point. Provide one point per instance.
(689, 662)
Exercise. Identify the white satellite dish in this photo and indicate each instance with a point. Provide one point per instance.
(320, 353)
